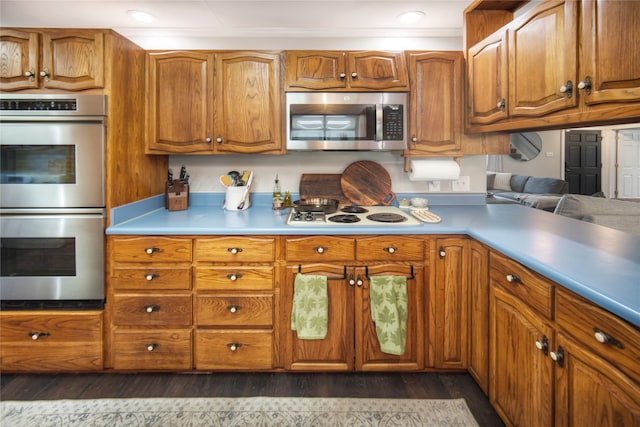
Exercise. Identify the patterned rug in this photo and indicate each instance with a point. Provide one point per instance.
(252, 411)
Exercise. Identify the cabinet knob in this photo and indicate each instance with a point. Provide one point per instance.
(36, 335)
(604, 338)
(441, 252)
(45, 74)
(558, 356)
(352, 281)
(208, 140)
(567, 89)
(414, 139)
(586, 85)
(151, 346)
(354, 75)
(512, 278)
(150, 251)
(391, 249)
(234, 276)
(359, 281)
(233, 346)
(233, 308)
(320, 249)
(543, 344)
(151, 308)
(501, 104)
(30, 74)
(151, 276)
(219, 139)
(342, 76)
(234, 251)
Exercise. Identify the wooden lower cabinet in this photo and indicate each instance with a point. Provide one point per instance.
(143, 349)
(478, 330)
(244, 349)
(46, 341)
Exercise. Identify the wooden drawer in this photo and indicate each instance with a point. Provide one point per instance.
(151, 249)
(51, 341)
(235, 249)
(584, 320)
(234, 310)
(152, 349)
(389, 248)
(151, 278)
(234, 278)
(151, 309)
(233, 349)
(320, 248)
(527, 285)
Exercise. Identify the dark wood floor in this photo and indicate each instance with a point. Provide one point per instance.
(378, 385)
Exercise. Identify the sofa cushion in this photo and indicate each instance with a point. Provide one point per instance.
(538, 185)
(502, 181)
(578, 206)
(626, 223)
(518, 182)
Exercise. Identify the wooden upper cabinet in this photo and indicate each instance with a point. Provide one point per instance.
(610, 38)
(345, 70)
(542, 70)
(488, 72)
(248, 103)
(69, 60)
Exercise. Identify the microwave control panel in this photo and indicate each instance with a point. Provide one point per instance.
(393, 122)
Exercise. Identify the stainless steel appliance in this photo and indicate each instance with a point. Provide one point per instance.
(354, 216)
(346, 121)
(52, 201)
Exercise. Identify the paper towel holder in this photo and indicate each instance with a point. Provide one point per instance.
(407, 161)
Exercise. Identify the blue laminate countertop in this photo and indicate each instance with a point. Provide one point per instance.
(599, 263)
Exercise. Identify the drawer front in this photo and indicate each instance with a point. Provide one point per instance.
(51, 327)
(530, 287)
(151, 349)
(600, 331)
(151, 310)
(50, 356)
(235, 249)
(237, 349)
(234, 278)
(320, 248)
(231, 310)
(151, 249)
(390, 248)
(156, 278)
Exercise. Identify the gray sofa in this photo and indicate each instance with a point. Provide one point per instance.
(537, 192)
(619, 214)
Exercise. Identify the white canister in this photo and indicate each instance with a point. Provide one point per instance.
(233, 198)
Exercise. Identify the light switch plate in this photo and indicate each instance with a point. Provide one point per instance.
(434, 185)
(461, 184)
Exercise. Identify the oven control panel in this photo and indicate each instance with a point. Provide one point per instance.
(39, 105)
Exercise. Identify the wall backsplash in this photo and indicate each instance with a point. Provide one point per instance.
(204, 171)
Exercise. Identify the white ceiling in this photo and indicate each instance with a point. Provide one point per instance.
(180, 22)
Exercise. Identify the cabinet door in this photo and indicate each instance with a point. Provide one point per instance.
(588, 389)
(19, 56)
(488, 72)
(336, 351)
(248, 103)
(369, 356)
(521, 382)
(435, 102)
(543, 53)
(377, 70)
(610, 77)
(315, 70)
(451, 267)
(180, 102)
(479, 314)
(72, 60)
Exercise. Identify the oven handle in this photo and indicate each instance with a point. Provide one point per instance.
(51, 211)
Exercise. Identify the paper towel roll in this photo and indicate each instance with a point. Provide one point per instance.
(433, 169)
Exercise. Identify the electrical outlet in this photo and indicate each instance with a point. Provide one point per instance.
(434, 185)
(461, 184)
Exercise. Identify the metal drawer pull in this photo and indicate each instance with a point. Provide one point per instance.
(543, 345)
(151, 276)
(512, 278)
(604, 338)
(151, 346)
(36, 335)
(234, 250)
(234, 276)
(233, 308)
(233, 346)
(320, 249)
(558, 356)
(150, 251)
(151, 308)
(390, 249)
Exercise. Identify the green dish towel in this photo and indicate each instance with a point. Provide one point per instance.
(310, 310)
(389, 312)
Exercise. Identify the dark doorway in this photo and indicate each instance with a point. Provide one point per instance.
(582, 163)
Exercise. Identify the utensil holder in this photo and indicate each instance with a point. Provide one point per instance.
(233, 197)
(177, 196)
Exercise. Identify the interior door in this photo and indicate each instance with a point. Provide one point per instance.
(628, 164)
(583, 165)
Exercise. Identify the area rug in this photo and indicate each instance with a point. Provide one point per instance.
(225, 412)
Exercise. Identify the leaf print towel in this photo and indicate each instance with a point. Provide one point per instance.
(310, 310)
(389, 312)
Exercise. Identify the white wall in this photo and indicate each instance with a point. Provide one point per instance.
(547, 164)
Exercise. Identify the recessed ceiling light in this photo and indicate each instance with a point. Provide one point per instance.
(411, 17)
(141, 16)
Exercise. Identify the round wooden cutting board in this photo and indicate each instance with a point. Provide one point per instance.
(367, 183)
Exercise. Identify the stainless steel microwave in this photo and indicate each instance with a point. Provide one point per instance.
(367, 121)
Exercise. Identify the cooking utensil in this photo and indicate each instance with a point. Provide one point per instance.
(226, 180)
(246, 191)
(367, 183)
(324, 186)
(235, 176)
(316, 205)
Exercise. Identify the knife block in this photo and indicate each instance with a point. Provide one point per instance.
(177, 196)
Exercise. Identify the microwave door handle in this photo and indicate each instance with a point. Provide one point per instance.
(379, 122)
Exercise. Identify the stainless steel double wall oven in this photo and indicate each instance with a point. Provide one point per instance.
(52, 201)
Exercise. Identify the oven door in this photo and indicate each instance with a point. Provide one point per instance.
(51, 164)
(52, 259)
